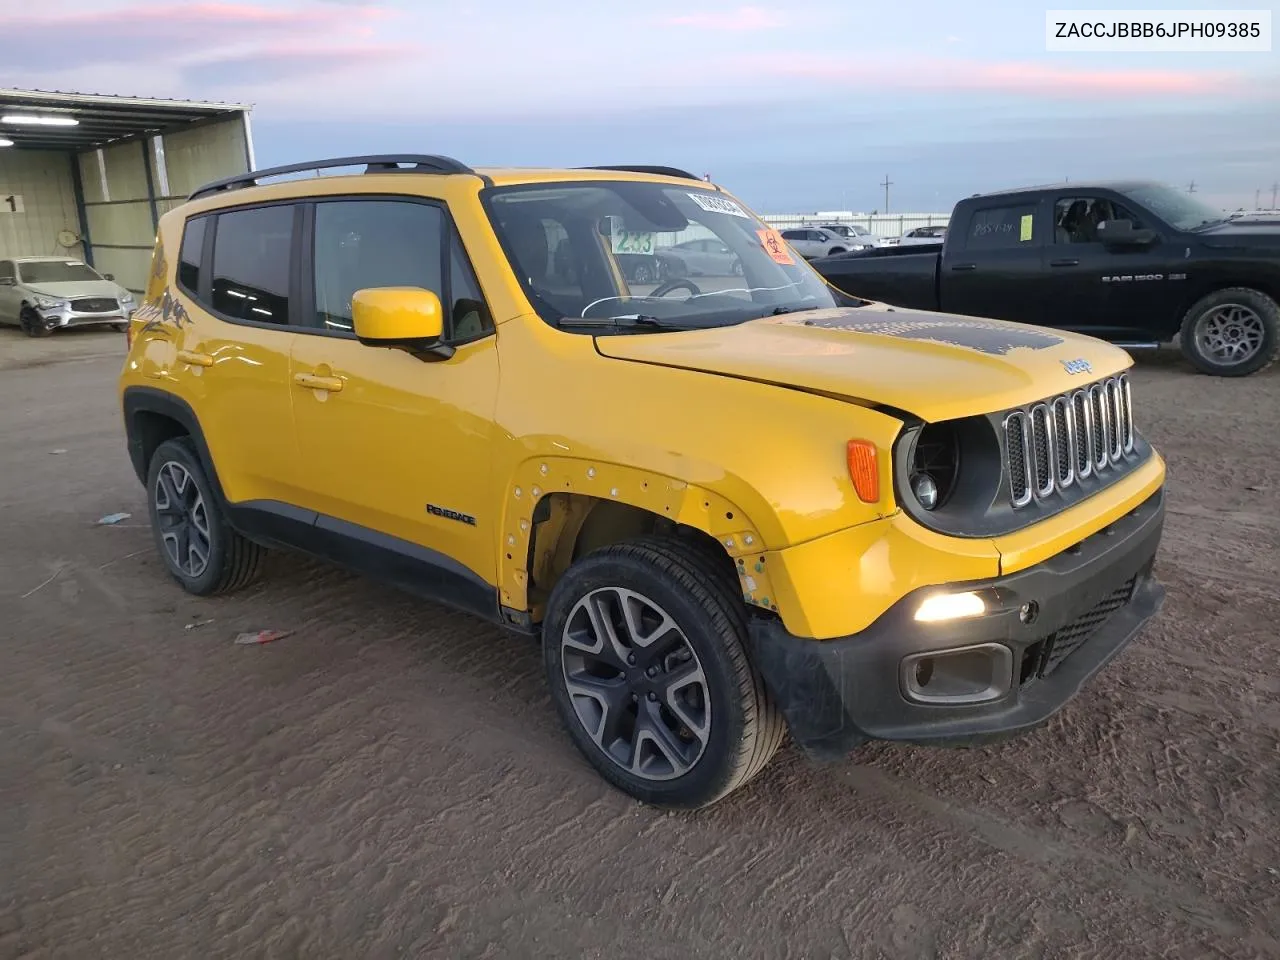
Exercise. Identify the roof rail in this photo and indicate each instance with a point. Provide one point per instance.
(658, 171)
(379, 163)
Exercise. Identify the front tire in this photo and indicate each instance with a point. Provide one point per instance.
(1231, 333)
(199, 548)
(32, 324)
(644, 645)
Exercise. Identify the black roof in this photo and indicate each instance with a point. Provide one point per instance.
(1117, 185)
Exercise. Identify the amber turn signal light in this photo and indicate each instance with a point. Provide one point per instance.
(864, 470)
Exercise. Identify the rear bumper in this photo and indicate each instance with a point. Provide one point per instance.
(1088, 603)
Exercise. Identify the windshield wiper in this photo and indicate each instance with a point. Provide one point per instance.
(630, 321)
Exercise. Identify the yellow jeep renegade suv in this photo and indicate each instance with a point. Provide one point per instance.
(611, 408)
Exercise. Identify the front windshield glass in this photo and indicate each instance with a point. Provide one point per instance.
(680, 256)
(55, 271)
(1176, 208)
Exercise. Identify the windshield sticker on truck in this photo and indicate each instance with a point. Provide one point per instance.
(713, 204)
(1025, 233)
(977, 335)
(776, 246)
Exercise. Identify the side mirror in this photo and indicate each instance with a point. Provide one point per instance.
(1121, 233)
(410, 318)
(109, 276)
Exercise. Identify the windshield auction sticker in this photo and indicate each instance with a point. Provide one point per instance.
(713, 204)
(772, 241)
(1025, 233)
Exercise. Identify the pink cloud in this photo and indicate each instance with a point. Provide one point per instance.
(173, 32)
(740, 19)
(1037, 79)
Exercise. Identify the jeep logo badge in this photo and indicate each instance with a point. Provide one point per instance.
(1079, 365)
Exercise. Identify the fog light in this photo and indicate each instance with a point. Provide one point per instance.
(951, 606)
(926, 491)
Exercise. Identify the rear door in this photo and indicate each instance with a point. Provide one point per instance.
(991, 265)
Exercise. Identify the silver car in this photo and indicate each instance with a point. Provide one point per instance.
(860, 238)
(811, 243)
(707, 258)
(43, 294)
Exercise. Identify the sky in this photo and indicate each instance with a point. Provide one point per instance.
(795, 107)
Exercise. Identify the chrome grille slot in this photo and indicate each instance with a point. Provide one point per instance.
(1126, 407)
(1115, 446)
(1016, 445)
(1101, 426)
(1042, 449)
(1084, 433)
(1068, 438)
(1064, 436)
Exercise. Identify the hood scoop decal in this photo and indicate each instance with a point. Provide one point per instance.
(991, 338)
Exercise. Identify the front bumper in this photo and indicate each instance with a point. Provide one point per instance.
(1088, 602)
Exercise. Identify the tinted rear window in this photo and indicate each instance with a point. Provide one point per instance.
(251, 255)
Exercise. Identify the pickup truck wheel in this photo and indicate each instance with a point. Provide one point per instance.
(200, 549)
(1232, 333)
(644, 645)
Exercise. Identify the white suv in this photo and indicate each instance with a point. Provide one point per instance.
(812, 243)
(43, 294)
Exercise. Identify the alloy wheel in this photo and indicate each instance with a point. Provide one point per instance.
(1230, 334)
(183, 519)
(636, 684)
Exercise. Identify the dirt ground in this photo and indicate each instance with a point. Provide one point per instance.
(391, 781)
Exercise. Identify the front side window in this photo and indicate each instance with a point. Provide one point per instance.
(1076, 219)
(252, 251)
(1002, 228)
(56, 271)
(568, 243)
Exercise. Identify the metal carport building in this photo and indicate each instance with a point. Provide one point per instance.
(88, 176)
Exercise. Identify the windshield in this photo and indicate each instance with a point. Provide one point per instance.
(1176, 208)
(682, 256)
(55, 271)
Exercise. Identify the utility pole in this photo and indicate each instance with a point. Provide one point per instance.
(1192, 187)
(1274, 188)
(1257, 199)
(887, 184)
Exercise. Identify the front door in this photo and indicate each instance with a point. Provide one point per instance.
(398, 457)
(1104, 291)
(10, 303)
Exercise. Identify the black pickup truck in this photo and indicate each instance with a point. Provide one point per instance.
(1134, 263)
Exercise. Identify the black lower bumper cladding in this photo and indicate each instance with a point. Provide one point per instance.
(1090, 600)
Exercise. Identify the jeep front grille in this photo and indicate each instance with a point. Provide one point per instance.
(1066, 438)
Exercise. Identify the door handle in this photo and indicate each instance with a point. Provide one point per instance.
(1065, 262)
(964, 266)
(195, 359)
(313, 382)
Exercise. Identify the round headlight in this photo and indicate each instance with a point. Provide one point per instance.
(925, 489)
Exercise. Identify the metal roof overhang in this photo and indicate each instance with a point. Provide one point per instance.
(101, 119)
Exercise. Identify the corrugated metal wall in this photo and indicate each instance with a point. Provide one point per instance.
(121, 204)
(44, 184)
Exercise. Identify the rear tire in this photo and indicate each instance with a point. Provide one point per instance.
(31, 323)
(669, 708)
(199, 548)
(1231, 333)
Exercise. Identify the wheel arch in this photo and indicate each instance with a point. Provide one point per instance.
(151, 417)
(1264, 287)
(558, 509)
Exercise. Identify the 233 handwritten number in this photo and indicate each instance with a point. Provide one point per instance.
(629, 242)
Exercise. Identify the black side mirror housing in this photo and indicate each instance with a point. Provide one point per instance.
(1122, 233)
(109, 276)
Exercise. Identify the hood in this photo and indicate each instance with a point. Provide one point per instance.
(73, 289)
(936, 366)
(1243, 232)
